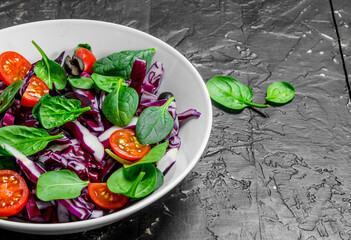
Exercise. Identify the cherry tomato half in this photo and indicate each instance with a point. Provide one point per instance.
(13, 193)
(125, 144)
(103, 197)
(34, 91)
(87, 57)
(13, 67)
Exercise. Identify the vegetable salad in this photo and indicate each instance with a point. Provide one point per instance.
(81, 137)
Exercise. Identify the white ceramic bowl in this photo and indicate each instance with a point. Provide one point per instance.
(180, 77)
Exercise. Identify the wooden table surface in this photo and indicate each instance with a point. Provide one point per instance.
(278, 173)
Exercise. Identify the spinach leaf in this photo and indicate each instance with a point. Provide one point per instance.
(56, 111)
(155, 154)
(35, 110)
(159, 179)
(120, 63)
(135, 182)
(83, 45)
(62, 184)
(7, 163)
(49, 71)
(159, 182)
(105, 83)
(280, 92)
(230, 93)
(81, 82)
(120, 105)
(27, 140)
(154, 124)
(8, 95)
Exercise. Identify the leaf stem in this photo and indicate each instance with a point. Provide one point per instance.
(132, 190)
(45, 59)
(85, 109)
(257, 105)
(168, 102)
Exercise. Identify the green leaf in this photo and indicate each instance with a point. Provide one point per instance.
(56, 111)
(120, 105)
(135, 182)
(120, 63)
(154, 124)
(280, 92)
(159, 179)
(230, 93)
(50, 71)
(61, 184)
(81, 82)
(27, 140)
(83, 45)
(155, 154)
(7, 163)
(8, 95)
(35, 110)
(105, 83)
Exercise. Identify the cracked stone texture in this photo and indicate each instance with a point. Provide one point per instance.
(277, 173)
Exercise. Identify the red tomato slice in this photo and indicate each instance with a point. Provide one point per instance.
(101, 196)
(87, 57)
(13, 67)
(125, 144)
(13, 193)
(35, 90)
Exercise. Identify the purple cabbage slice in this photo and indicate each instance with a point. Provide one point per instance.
(87, 140)
(153, 77)
(26, 80)
(31, 207)
(31, 169)
(77, 206)
(7, 120)
(63, 215)
(167, 160)
(187, 115)
(137, 74)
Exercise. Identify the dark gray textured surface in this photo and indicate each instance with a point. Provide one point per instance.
(285, 176)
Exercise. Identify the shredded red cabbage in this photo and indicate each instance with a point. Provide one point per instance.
(82, 149)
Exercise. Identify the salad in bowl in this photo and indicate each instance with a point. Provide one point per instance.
(93, 127)
(82, 137)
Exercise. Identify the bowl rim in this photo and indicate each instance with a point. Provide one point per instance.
(121, 214)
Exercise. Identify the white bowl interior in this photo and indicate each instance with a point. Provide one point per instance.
(180, 78)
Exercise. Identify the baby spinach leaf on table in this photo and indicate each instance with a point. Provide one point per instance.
(154, 124)
(81, 82)
(49, 71)
(120, 105)
(230, 93)
(62, 184)
(280, 92)
(135, 182)
(155, 154)
(105, 83)
(56, 111)
(8, 95)
(7, 163)
(27, 140)
(120, 63)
